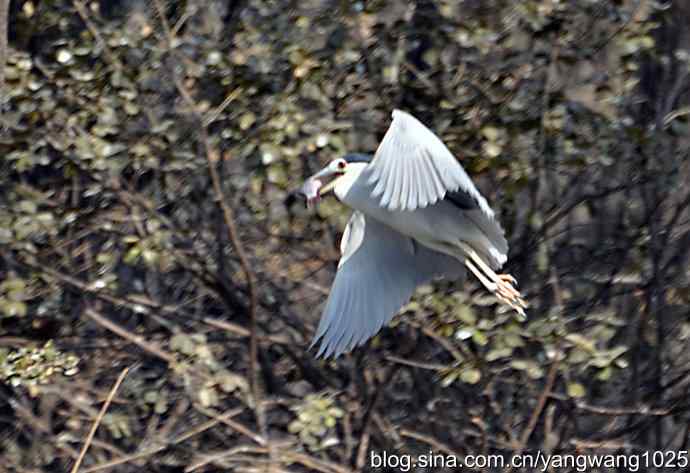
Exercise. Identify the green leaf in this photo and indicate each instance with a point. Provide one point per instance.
(513, 340)
(247, 120)
(449, 378)
(182, 343)
(208, 397)
(14, 289)
(498, 353)
(471, 376)
(27, 206)
(535, 371)
(581, 342)
(491, 133)
(605, 374)
(132, 255)
(295, 426)
(150, 397)
(161, 406)
(13, 308)
(150, 256)
(520, 365)
(465, 313)
(576, 390)
(480, 338)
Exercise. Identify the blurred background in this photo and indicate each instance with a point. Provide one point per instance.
(148, 221)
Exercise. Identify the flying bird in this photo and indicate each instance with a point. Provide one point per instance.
(417, 216)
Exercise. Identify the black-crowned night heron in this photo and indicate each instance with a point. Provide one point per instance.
(417, 216)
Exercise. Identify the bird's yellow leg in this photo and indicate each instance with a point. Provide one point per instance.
(500, 284)
(483, 279)
(516, 303)
(505, 280)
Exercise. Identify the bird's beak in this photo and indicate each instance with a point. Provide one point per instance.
(329, 187)
(314, 188)
(326, 173)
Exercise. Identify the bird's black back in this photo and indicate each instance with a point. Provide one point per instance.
(358, 158)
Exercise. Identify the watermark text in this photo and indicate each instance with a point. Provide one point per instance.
(533, 462)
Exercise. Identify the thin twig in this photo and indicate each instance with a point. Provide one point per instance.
(527, 433)
(4, 18)
(229, 216)
(97, 421)
(368, 416)
(125, 459)
(139, 341)
(189, 12)
(212, 115)
(614, 411)
(223, 454)
(550, 377)
(308, 461)
(604, 444)
(243, 332)
(314, 464)
(437, 445)
(139, 304)
(27, 416)
(443, 341)
(417, 364)
(634, 17)
(180, 438)
(236, 426)
(212, 157)
(83, 12)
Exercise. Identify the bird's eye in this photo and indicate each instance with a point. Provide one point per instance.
(341, 165)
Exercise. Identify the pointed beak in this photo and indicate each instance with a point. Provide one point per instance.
(325, 173)
(314, 188)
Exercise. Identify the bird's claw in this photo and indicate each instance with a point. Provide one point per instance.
(508, 278)
(506, 293)
(502, 285)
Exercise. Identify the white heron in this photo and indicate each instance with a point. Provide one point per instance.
(417, 216)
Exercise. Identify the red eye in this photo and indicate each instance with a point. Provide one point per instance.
(341, 164)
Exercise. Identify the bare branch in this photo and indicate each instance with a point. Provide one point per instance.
(97, 421)
(147, 346)
(4, 19)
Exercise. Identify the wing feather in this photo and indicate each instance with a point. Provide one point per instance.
(378, 277)
(425, 183)
(412, 189)
(439, 187)
(410, 152)
(405, 190)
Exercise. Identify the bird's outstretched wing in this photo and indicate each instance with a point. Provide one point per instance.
(412, 168)
(378, 272)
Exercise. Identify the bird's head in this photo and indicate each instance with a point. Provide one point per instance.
(327, 178)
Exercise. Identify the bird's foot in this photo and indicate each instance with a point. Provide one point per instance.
(502, 285)
(508, 278)
(507, 293)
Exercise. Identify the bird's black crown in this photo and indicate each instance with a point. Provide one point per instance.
(357, 158)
